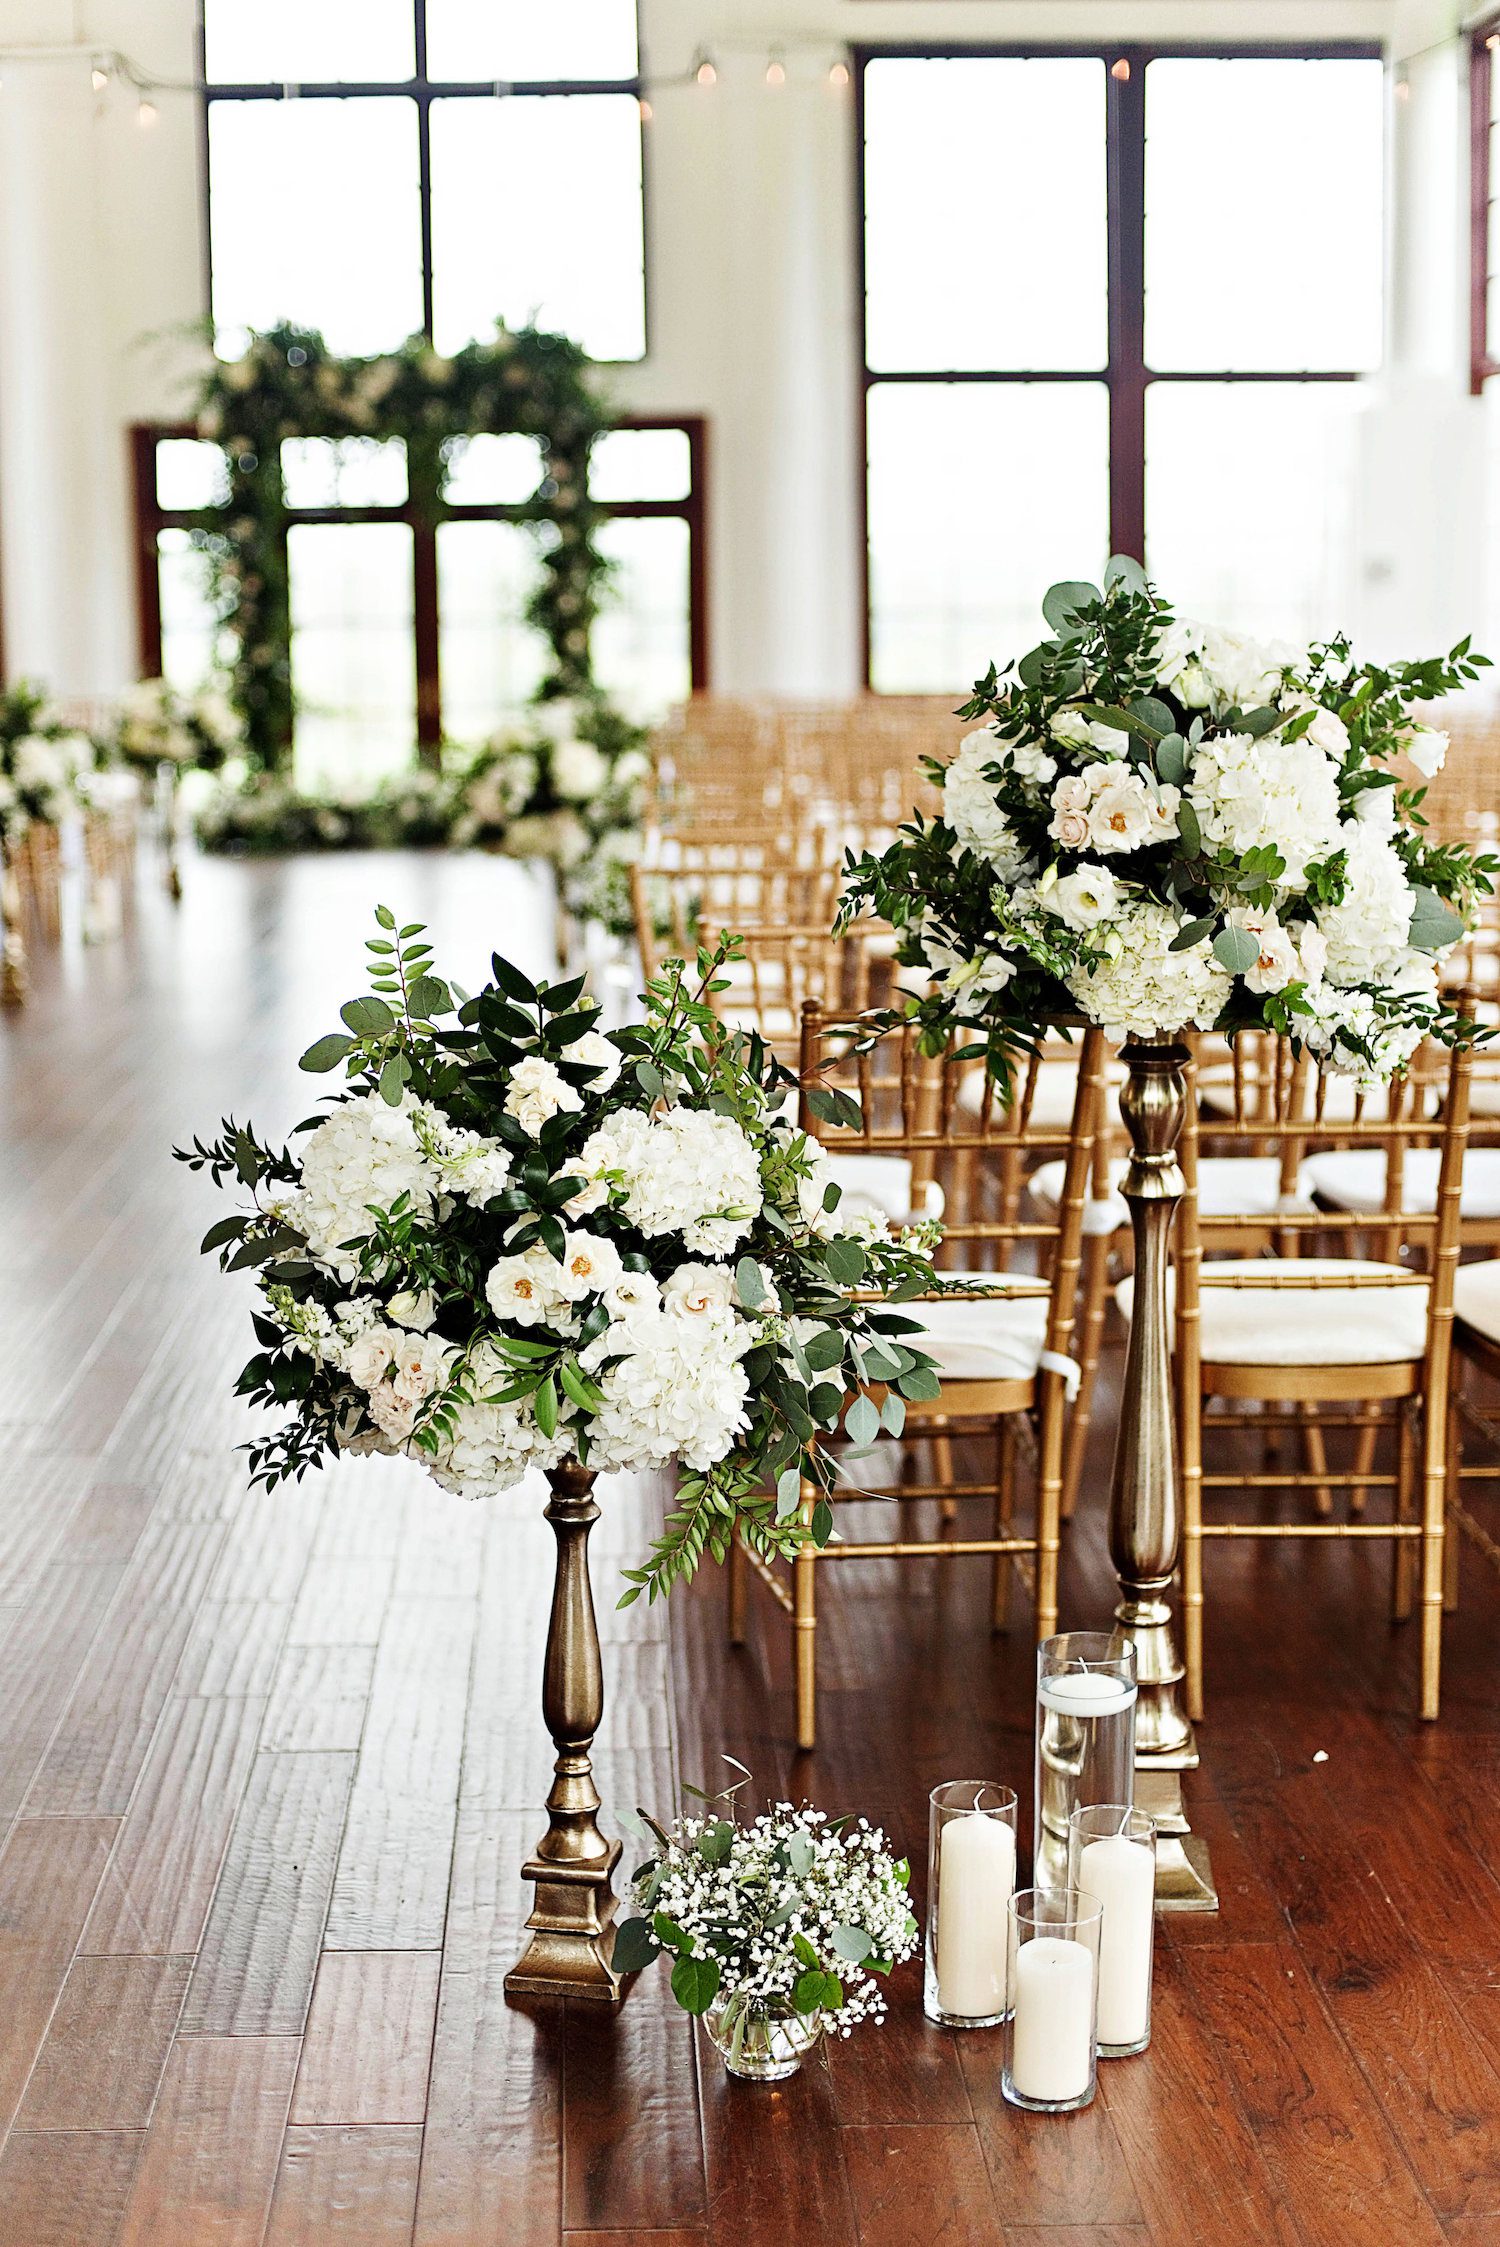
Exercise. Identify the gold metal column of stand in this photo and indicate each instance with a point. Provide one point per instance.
(1144, 1516)
(572, 1920)
(14, 977)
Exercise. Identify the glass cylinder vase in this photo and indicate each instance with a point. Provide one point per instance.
(1051, 2036)
(757, 2045)
(1112, 1857)
(971, 1871)
(1085, 1737)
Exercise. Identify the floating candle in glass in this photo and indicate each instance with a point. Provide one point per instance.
(1085, 1737)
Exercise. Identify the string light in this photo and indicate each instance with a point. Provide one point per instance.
(1120, 69)
(1403, 90)
(1493, 41)
(646, 110)
(776, 71)
(704, 70)
(838, 74)
(99, 75)
(147, 115)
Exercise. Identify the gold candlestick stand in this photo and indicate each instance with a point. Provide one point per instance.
(1144, 1517)
(15, 979)
(572, 1920)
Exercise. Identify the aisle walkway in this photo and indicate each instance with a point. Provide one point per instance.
(268, 1766)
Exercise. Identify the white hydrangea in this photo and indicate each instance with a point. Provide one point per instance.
(679, 1392)
(1366, 931)
(1248, 793)
(689, 1171)
(972, 810)
(1148, 990)
(473, 1168)
(1242, 671)
(364, 1153)
(579, 771)
(493, 1445)
(1340, 1018)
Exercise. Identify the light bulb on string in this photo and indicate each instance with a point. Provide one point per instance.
(838, 75)
(776, 71)
(645, 110)
(147, 115)
(99, 75)
(1121, 70)
(704, 70)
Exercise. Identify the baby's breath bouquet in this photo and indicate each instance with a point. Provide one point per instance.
(778, 1929)
(513, 1240)
(1160, 824)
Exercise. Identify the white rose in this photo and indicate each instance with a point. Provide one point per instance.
(594, 1051)
(414, 1308)
(698, 1290)
(421, 1366)
(631, 1296)
(588, 1267)
(1330, 733)
(524, 1288)
(1084, 898)
(369, 1358)
(1427, 748)
(1277, 964)
(537, 1093)
(1192, 688)
(1120, 817)
(579, 772)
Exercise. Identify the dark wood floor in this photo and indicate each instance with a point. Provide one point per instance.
(268, 1766)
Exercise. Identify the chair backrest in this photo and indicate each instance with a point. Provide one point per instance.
(965, 1140)
(692, 883)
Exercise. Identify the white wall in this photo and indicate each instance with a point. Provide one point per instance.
(752, 301)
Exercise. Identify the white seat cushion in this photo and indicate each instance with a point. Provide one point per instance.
(1228, 1186)
(982, 1341)
(1354, 1178)
(1476, 1297)
(1306, 1325)
(880, 1185)
(1052, 1099)
(1216, 1094)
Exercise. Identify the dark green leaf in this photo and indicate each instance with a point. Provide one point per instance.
(1191, 933)
(695, 1983)
(545, 1407)
(326, 1053)
(1188, 828)
(635, 1946)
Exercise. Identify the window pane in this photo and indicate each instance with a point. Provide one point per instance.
(642, 654)
(516, 40)
(981, 496)
(292, 236)
(985, 213)
(352, 652)
(1264, 214)
(492, 660)
(302, 42)
(344, 471)
(1249, 502)
(189, 628)
(641, 464)
(491, 471)
(565, 173)
(190, 473)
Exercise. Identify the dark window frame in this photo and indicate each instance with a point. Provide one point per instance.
(424, 91)
(151, 518)
(1484, 38)
(1126, 373)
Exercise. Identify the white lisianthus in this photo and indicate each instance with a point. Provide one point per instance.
(538, 1092)
(1427, 748)
(579, 771)
(1366, 931)
(594, 1051)
(526, 1288)
(364, 1154)
(1330, 733)
(972, 810)
(1071, 728)
(589, 1266)
(1084, 898)
(1109, 739)
(1376, 807)
(1178, 648)
(1146, 989)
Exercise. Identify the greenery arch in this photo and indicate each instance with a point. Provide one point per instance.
(288, 384)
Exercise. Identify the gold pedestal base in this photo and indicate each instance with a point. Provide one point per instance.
(572, 1934)
(1184, 1875)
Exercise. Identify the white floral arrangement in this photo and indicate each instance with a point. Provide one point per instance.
(514, 1240)
(158, 724)
(792, 1914)
(45, 763)
(567, 787)
(1163, 824)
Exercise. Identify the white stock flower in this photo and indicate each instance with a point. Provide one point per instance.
(971, 809)
(1367, 930)
(364, 1153)
(579, 771)
(526, 1288)
(1427, 748)
(1146, 989)
(537, 1093)
(1084, 898)
(1249, 792)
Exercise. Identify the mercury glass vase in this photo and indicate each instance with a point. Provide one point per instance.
(761, 2047)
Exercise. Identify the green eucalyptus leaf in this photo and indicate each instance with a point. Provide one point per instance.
(862, 1423)
(1433, 923)
(1171, 760)
(749, 1284)
(695, 1983)
(367, 1018)
(800, 1855)
(1191, 933)
(788, 1492)
(852, 1943)
(1236, 949)
(393, 1079)
(325, 1054)
(1188, 829)
(1060, 602)
(1154, 714)
(635, 1946)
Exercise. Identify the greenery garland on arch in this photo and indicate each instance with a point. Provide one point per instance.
(288, 384)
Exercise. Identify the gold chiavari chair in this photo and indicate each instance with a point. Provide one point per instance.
(1274, 1339)
(999, 1328)
(760, 880)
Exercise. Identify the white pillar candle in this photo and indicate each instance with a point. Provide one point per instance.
(1122, 1875)
(976, 1874)
(1052, 2033)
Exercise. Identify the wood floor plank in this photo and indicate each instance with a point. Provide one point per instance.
(1046, 2169)
(260, 1948)
(390, 1891)
(1329, 2151)
(66, 2188)
(343, 1600)
(50, 1870)
(932, 2166)
(632, 2145)
(107, 2045)
(318, 1698)
(903, 2070)
(368, 2045)
(346, 2187)
(211, 2155)
(43, 1647)
(761, 2183)
(156, 1893)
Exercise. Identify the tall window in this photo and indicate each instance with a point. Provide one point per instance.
(376, 167)
(1113, 299)
(384, 653)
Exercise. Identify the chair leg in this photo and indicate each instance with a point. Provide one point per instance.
(1404, 1565)
(735, 1590)
(1364, 1458)
(1005, 1506)
(1433, 1540)
(1048, 1539)
(805, 1647)
(1191, 1446)
(1090, 1341)
(942, 1471)
(1454, 1453)
(1315, 1456)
